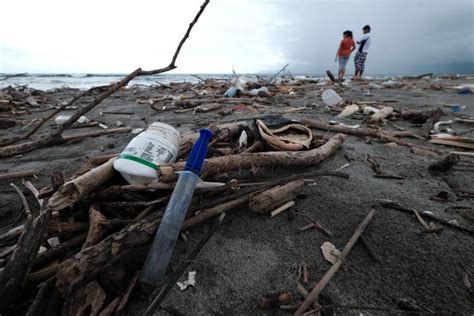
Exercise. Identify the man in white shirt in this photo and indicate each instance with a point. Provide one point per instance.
(361, 55)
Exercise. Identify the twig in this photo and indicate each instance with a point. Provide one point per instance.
(313, 296)
(393, 205)
(26, 207)
(314, 223)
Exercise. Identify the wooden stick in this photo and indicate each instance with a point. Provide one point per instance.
(282, 208)
(214, 211)
(314, 295)
(19, 174)
(97, 133)
(394, 205)
(225, 164)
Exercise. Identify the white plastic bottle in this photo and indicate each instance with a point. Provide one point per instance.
(142, 157)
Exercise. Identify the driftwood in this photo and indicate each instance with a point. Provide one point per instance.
(361, 131)
(20, 261)
(54, 253)
(381, 115)
(225, 164)
(270, 199)
(314, 295)
(54, 137)
(73, 190)
(394, 205)
(428, 126)
(16, 175)
(86, 264)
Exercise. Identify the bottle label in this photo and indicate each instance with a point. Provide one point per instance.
(149, 152)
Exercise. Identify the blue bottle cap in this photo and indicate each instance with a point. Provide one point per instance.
(198, 152)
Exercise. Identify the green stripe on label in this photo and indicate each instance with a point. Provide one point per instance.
(139, 160)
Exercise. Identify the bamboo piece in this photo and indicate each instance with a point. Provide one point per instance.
(225, 164)
(314, 295)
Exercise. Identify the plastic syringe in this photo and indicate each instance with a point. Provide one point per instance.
(165, 239)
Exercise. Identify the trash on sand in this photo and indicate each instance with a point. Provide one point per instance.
(331, 98)
(172, 221)
(232, 92)
(375, 86)
(330, 252)
(191, 281)
(53, 242)
(437, 126)
(140, 159)
(292, 136)
(242, 143)
(370, 110)
(349, 110)
(61, 119)
(392, 84)
(261, 92)
(464, 88)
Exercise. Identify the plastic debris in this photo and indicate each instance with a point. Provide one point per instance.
(330, 252)
(375, 86)
(61, 119)
(349, 110)
(243, 140)
(53, 242)
(370, 110)
(331, 98)
(191, 281)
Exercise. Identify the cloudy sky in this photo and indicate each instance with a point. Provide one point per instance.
(116, 36)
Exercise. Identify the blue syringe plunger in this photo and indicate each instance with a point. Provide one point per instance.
(198, 152)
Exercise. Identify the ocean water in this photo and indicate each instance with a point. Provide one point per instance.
(86, 81)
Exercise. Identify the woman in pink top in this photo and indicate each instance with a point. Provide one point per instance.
(344, 52)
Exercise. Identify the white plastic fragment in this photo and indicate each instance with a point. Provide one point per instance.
(331, 98)
(42, 249)
(370, 110)
(243, 140)
(191, 281)
(61, 119)
(53, 242)
(137, 130)
(330, 252)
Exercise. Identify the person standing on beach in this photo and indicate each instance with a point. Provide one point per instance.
(361, 55)
(346, 47)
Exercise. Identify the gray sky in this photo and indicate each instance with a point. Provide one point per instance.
(107, 36)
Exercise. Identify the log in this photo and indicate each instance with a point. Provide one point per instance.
(225, 164)
(74, 190)
(56, 252)
(270, 199)
(314, 295)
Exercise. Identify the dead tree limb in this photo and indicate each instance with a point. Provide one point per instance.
(19, 263)
(73, 190)
(254, 160)
(53, 138)
(314, 295)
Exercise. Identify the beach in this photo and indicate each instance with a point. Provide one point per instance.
(250, 255)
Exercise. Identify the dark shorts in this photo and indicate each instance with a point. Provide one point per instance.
(359, 60)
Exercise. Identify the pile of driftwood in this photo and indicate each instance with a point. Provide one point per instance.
(93, 225)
